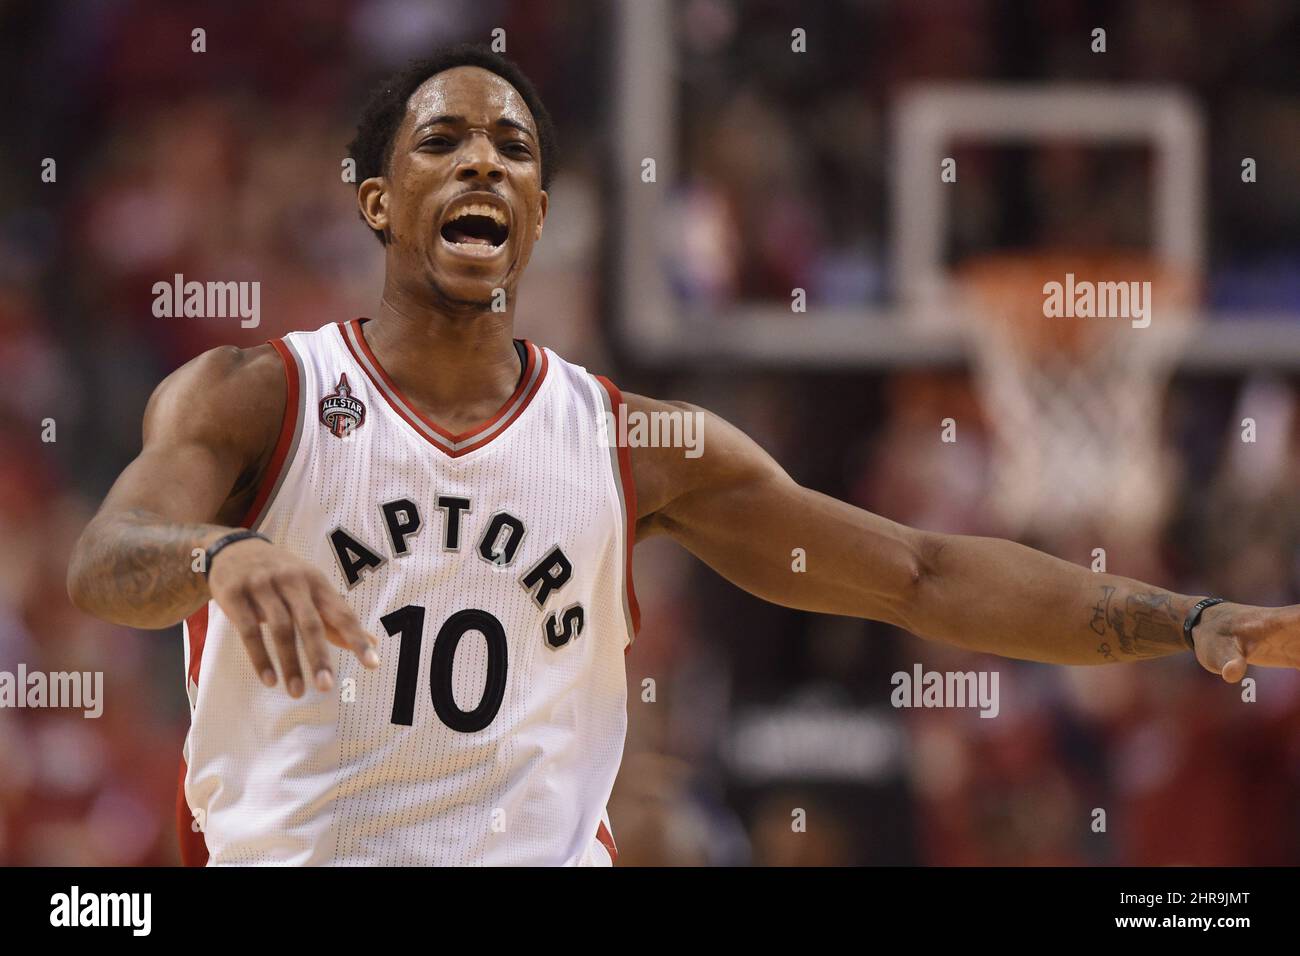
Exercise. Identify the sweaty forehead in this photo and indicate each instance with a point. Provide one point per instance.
(477, 94)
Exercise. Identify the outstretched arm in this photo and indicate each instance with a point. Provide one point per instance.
(737, 510)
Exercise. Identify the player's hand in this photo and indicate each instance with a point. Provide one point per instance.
(255, 582)
(1230, 637)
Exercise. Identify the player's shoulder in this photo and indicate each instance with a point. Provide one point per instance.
(225, 371)
(647, 404)
(230, 364)
(577, 378)
(576, 372)
(240, 390)
(703, 450)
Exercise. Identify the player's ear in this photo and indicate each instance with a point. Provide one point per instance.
(372, 200)
(541, 213)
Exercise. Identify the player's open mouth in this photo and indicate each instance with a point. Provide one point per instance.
(476, 229)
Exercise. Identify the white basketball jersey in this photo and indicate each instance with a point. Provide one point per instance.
(494, 567)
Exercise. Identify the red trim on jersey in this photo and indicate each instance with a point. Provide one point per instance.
(410, 414)
(288, 425)
(197, 624)
(629, 502)
(194, 851)
(607, 841)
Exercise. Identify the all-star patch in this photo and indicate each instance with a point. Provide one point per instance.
(340, 412)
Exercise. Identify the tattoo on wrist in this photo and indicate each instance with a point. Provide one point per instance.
(148, 563)
(1143, 624)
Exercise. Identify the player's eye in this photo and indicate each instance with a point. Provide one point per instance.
(436, 142)
(518, 149)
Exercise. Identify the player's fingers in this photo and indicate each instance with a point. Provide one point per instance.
(271, 609)
(1234, 670)
(311, 629)
(346, 630)
(243, 617)
(1223, 655)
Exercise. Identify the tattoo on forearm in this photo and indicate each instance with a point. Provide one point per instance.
(1098, 622)
(142, 562)
(1143, 624)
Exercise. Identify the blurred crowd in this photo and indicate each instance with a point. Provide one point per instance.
(786, 156)
(757, 735)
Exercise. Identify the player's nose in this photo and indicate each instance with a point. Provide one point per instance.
(479, 162)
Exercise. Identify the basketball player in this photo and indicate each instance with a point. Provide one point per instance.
(426, 483)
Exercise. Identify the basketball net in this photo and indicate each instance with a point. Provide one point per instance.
(1074, 404)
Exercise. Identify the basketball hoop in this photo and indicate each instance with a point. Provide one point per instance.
(1073, 393)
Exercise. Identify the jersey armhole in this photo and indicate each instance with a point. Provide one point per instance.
(290, 428)
(621, 460)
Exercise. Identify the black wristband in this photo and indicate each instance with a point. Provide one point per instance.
(215, 548)
(1193, 616)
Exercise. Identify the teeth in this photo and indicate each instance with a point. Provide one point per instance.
(481, 209)
(476, 248)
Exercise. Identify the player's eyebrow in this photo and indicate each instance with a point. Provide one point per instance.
(460, 121)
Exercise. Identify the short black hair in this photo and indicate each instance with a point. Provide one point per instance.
(372, 147)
